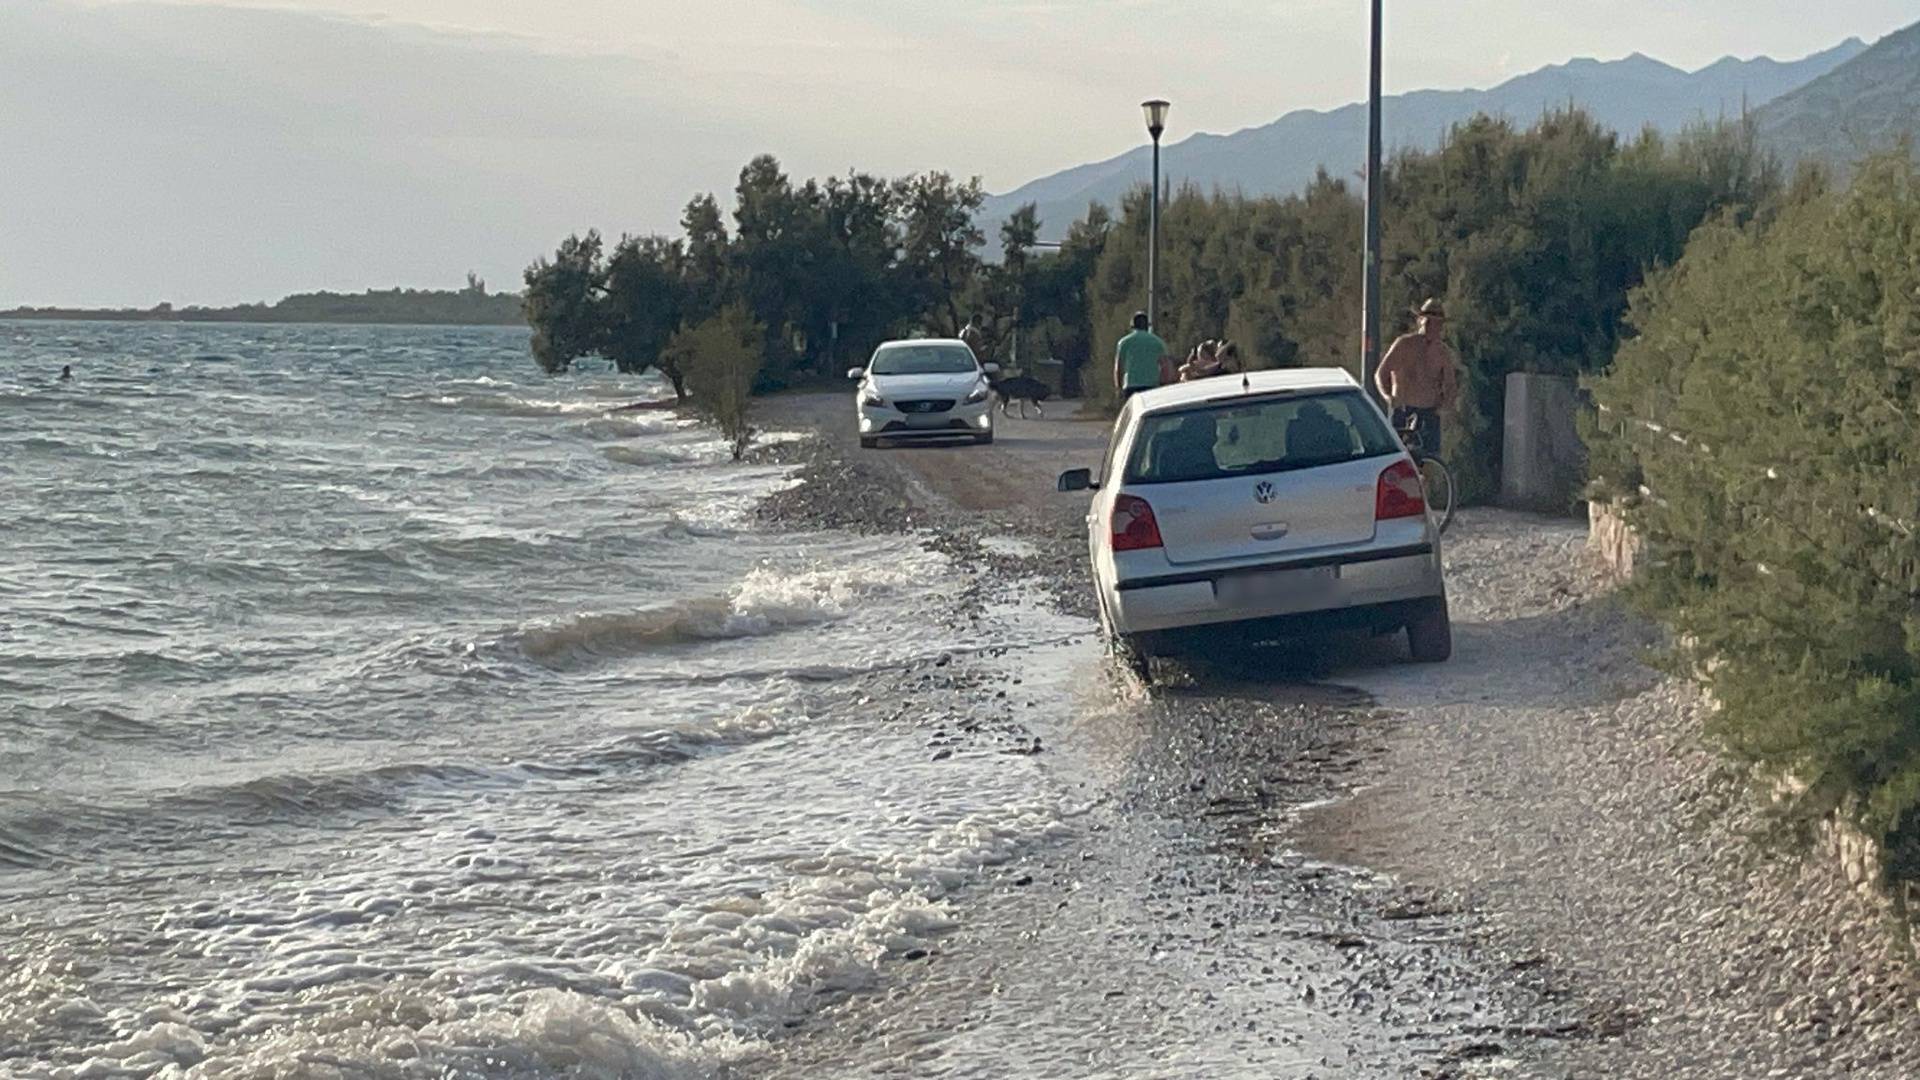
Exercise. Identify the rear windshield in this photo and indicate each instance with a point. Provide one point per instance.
(1234, 438)
(923, 360)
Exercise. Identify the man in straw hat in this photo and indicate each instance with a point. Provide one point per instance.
(1417, 377)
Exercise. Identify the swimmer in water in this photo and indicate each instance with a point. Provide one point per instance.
(66, 373)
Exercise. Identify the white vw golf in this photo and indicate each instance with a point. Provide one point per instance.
(1274, 505)
(926, 388)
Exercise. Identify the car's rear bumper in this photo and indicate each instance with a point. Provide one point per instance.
(1304, 626)
(1327, 586)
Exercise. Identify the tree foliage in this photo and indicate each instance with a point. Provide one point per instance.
(1533, 236)
(720, 357)
(827, 270)
(563, 302)
(1765, 403)
(640, 305)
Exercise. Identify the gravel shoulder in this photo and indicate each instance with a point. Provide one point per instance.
(1527, 861)
(1550, 779)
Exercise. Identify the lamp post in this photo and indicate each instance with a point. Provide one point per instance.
(1156, 111)
(1370, 297)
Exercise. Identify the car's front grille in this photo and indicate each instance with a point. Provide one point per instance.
(951, 425)
(924, 406)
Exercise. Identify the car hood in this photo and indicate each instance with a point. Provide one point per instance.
(913, 386)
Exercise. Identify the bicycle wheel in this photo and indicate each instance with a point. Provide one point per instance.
(1439, 484)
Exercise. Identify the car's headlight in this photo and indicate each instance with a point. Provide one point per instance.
(979, 394)
(872, 400)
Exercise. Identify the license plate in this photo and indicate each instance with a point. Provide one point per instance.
(1277, 586)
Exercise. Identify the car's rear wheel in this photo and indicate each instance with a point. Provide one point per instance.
(1125, 650)
(1128, 654)
(1430, 632)
(867, 442)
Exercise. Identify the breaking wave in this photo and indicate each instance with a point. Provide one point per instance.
(767, 602)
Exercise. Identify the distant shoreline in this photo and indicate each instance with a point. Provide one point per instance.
(471, 306)
(257, 318)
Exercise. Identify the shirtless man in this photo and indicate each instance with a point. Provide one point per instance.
(1417, 378)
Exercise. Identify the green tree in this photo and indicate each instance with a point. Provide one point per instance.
(707, 276)
(721, 358)
(856, 297)
(562, 302)
(1001, 291)
(1055, 296)
(1765, 400)
(778, 240)
(940, 243)
(640, 307)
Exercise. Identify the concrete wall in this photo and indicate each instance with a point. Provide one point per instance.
(1543, 460)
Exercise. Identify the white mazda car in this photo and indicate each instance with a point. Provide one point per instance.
(1278, 504)
(925, 388)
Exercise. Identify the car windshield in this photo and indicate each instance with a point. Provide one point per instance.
(1240, 438)
(923, 360)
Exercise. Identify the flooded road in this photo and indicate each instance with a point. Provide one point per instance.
(1176, 929)
(378, 708)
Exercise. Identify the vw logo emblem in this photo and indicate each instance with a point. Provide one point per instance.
(1263, 492)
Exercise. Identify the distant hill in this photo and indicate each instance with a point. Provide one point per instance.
(1863, 105)
(471, 306)
(1282, 157)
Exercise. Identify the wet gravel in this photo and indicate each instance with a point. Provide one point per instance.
(1179, 931)
(878, 494)
(1529, 861)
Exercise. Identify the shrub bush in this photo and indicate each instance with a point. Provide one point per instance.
(1767, 402)
(720, 357)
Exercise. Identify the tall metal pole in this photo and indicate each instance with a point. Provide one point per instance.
(1153, 246)
(1156, 112)
(1370, 302)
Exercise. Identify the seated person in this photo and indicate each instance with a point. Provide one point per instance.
(1314, 435)
(1185, 450)
(1228, 355)
(1204, 363)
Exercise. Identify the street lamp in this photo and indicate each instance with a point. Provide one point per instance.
(1370, 295)
(1156, 111)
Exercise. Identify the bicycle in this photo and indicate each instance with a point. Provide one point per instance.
(1435, 478)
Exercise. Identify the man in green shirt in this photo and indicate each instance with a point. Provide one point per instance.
(1140, 360)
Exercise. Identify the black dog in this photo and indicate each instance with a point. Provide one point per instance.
(1021, 388)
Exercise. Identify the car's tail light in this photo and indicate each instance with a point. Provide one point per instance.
(1133, 525)
(1399, 494)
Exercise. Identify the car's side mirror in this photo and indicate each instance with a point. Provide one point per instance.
(1076, 480)
(856, 373)
(991, 369)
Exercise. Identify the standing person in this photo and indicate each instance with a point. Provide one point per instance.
(1417, 378)
(1140, 360)
(975, 337)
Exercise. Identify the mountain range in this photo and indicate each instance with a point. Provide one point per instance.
(1865, 104)
(1283, 156)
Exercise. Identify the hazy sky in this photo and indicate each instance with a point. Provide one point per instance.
(210, 153)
